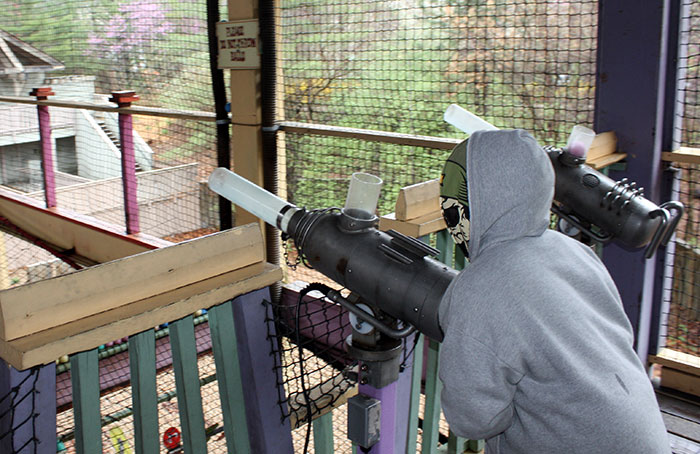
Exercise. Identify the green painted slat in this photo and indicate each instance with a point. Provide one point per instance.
(446, 247)
(228, 375)
(476, 445)
(144, 396)
(189, 398)
(323, 434)
(85, 380)
(416, 377)
(460, 261)
(433, 386)
(456, 445)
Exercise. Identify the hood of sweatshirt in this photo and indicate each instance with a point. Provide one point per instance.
(510, 185)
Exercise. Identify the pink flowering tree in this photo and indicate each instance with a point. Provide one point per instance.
(130, 39)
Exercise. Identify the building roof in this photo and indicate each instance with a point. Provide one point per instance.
(16, 56)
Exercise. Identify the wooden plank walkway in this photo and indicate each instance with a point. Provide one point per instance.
(681, 413)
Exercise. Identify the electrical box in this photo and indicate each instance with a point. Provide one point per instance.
(364, 420)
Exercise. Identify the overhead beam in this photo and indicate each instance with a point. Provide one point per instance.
(80, 235)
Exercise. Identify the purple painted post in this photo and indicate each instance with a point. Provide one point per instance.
(632, 56)
(388, 425)
(126, 138)
(267, 431)
(47, 166)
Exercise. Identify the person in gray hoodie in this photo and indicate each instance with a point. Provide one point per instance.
(538, 353)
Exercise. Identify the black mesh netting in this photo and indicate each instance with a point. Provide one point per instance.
(682, 283)
(396, 66)
(682, 315)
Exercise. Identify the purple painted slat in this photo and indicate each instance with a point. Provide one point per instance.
(15, 429)
(47, 165)
(126, 139)
(267, 432)
(387, 443)
(131, 205)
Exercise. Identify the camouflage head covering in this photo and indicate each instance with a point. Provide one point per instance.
(454, 198)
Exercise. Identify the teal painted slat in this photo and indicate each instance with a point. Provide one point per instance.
(85, 380)
(456, 445)
(443, 242)
(476, 445)
(416, 378)
(189, 397)
(460, 261)
(142, 362)
(228, 375)
(323, 434)
(433, 386)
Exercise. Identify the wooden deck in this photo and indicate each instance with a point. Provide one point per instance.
(681, 413)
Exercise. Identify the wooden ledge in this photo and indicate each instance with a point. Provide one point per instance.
(423, 225)
(91, 332)
(35, 307)
(684, 155)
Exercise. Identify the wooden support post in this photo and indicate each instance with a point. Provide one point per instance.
(85, 381)
(323, 434)
(47, 164)
(228, 375)
(246, 114)
(126, 139)
(189, 397)
(262, 386)
(142, 364)
(28, 409)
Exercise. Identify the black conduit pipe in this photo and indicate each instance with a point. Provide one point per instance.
(223, 141)
(268, 76)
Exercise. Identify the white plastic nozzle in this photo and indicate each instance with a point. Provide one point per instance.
(252, 198)
(466, 121)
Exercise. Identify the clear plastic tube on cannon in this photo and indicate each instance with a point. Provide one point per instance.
(252, 198)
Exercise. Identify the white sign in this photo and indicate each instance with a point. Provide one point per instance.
(238, 44)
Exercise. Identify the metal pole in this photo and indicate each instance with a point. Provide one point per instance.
(126, 138)
(47, 165)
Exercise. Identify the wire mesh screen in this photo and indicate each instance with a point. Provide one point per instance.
(689, 75)
(396, 66)
(683, 317)
(86, 50)
(682, 327)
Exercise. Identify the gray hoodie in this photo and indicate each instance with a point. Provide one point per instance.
(538, 353)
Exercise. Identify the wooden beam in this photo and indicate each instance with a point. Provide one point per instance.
(42, 305)
(91, 332)
(370, 135)
(105, 107)
(424, 225)
(603, 144)
(606, 160)
(683, 154)
(418, 200)
(684, 362)
(67, 230)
